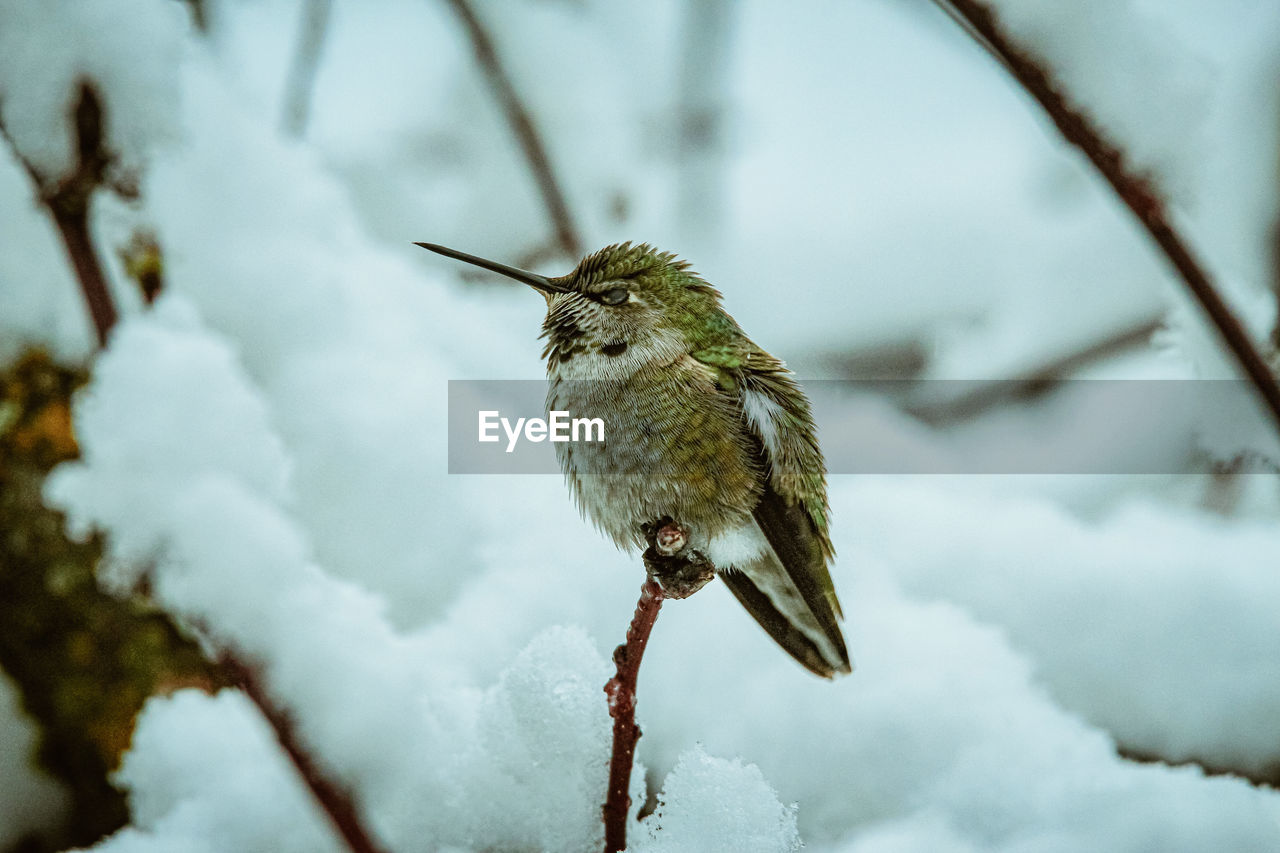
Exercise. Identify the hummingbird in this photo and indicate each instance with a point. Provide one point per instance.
(703, 427)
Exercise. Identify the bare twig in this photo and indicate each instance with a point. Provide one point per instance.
(1273, 256)
(1136, 191)
(74, 230)
(672, 572)
(312, 27)
(68, 203)
(979, 397)
(334, 800)
(1275, 279)
(703, 90)
(521, 123)
(67, 200)
(621, 691)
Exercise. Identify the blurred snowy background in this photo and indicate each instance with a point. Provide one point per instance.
(1044, 663)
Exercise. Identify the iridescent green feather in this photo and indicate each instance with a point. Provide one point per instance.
(797, 471)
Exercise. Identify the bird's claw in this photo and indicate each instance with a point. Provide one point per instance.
(669, 539)
(679, 570)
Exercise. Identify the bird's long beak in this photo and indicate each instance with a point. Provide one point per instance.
(538, 282)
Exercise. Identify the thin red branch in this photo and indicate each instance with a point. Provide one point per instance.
(334, 800)
(621, 691)
(521, 123)
(1135, 190)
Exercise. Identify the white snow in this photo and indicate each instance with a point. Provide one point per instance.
(196, 778)
(709, 804)
(1193, 675)
(128, 48)
(42, 304)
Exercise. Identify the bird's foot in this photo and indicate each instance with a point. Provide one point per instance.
(679, 570)
(669, 539)
(681, 577)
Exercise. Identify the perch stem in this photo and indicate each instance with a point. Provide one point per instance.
(621, 691)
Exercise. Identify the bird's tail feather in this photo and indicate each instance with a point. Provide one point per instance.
(767, 592)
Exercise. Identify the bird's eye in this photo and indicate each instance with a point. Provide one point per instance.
(617, 296)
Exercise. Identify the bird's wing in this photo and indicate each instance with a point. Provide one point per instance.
(787, 587)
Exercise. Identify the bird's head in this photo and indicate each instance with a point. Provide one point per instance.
(630, 303)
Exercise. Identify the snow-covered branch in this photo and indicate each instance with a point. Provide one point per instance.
(67, 199)
(333, 799)
(1138, 192)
